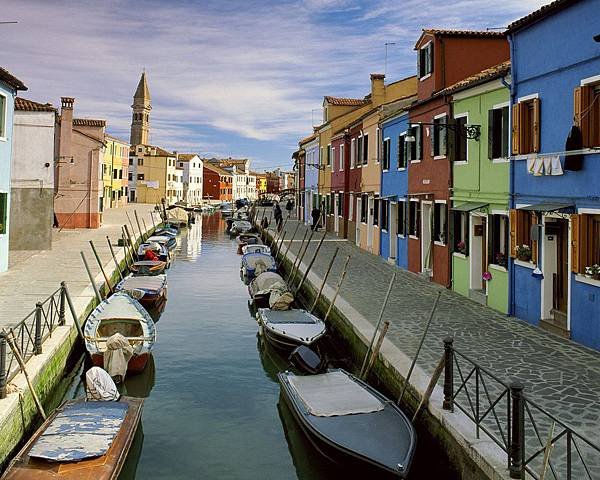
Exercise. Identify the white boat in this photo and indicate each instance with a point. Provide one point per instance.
(256, 249)
(287, 329)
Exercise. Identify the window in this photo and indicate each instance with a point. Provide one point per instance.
(332, 159)
(425, 60)
(402, 218)
(120, 174)
(364, 205)
(402, 152)
(460, 139)
(359, 150)
(414, 218)
(131, 161)
(586, 114)
(328, 155)
(342, 157)
(385, 223)
(520, 232)
(365, 156)
(526, 127)
(351, 207)
(115, 173)
(585, 235)
(415, 148)
(376, 211)
(386, 154)
(498, 248)
(498, 133)
(140, 176)
(461, 232)
(353, 153)
(379, 145)
(3, 212)
(2, 118)
(440, 224)
(321, 156)
(140, 161)
(340, 204)
(130, 176)
(438, 139)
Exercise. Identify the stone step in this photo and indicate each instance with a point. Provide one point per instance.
(557, 324)
(478, 296)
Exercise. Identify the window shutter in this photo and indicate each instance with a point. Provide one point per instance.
(430, 57)
(513, 219)
(491, 118)
(576, 265)
(582, 97)
(536, 125)
(534, 243)
(444, 136)
(432, 139)
(516, 128)
(419, 142)
(452, 138)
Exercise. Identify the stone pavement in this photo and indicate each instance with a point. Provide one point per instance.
(33, 275)
(559, 375)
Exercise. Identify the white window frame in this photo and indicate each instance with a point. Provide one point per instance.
(414, 237)
(387, 139)
(332, 159)
(425, 77)
(365, 160)
(351, 207)
(401, 169)
(437, 117)
(4, 115)
(379, 148)
(401, 201)
(352, 153)
(360, 150)
(460, 162)
(498, 106)
(436, 242)
(342, 149)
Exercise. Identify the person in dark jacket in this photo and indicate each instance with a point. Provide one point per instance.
(278, 214)
(288, 206)
(316, 215)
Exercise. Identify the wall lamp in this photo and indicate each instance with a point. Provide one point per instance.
(315, 165)
(471, 132)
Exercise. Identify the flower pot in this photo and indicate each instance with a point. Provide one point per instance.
(524, 258)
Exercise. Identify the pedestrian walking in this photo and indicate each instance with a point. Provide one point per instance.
(288, 206)
(316, 216)
(278, 214)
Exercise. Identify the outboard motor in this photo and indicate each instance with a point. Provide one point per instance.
(306, 360)
(99, 386)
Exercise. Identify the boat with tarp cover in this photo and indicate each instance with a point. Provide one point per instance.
(123, 315)
(267, 289)
(254, 264)
(80, 440)
(149, 290)
(351, 423)
(287, 329)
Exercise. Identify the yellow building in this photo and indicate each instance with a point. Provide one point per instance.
(261, 183)
(115, 172)
(154, 175)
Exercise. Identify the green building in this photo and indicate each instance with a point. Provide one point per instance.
(480, 187)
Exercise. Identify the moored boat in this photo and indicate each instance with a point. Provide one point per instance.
(149, 290)
(287, 329)
(254, 264)
(247, 239)
(240, 226)
(335, 409)
(148, 267)
(124, 315)
(79, 440)
(257, 248)
(167, 240)
(161, 250)
(264, 286)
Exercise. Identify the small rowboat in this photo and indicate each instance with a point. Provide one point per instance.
(167, 231)
(167, 240)
(287, 329)
(120, 314)
(240, 226)
(256, 263)
(258, 248)
(247, 239)
(149, 290)
(163, 251)
(80, 440)
(351, 423)
(148, 267)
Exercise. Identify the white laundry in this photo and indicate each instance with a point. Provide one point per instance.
(556, 165)
(547, 165)
(538, 166)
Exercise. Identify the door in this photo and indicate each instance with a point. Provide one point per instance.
(358, 217)
(561, 277)
(336, 218)
(370, 222)
(426, 244)
(393, 229)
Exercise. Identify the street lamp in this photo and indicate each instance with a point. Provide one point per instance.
(471, 132)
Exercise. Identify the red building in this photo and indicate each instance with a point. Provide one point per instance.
(444, 58)
(355, 204)
(272, 183)
(340, 171)
(217, 183)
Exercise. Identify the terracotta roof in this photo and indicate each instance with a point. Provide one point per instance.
(115, 139)
(540, 13)
(88, 122)
(11, 80)
(486, 75)
(161, 152)
(346, 102)
(211, 166)
(26, 105)
(186, 157)
(307, 139)
(464, 33)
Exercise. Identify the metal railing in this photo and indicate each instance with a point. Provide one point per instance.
(536, 442)
(30, 333)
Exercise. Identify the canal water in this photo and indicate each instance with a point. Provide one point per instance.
(212, 408)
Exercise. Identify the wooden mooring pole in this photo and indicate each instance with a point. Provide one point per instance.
(337, 290)
(375, 351)
(114, 257)
(291, 240)
(434, 379)
(312, 261)
(137, 220)
(314, 305)
(106, 279)
(297, 257)
(89, 272)
(130, 222)
(278, 251)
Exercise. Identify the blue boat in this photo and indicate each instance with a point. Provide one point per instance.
(254, 264)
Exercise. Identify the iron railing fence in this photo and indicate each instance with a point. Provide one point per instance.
(537, 442)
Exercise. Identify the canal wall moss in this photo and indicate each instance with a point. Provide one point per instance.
(436, 438)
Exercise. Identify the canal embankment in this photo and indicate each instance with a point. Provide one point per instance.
(41, 297)
(508, 382)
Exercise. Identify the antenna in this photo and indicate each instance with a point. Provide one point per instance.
(386, 49)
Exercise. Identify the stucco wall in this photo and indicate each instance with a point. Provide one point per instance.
(31, 218)
(5, 169)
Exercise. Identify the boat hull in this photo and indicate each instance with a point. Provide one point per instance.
(136, 364)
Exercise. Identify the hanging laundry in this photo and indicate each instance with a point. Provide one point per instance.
(556, 165)
(547, 165)
(538, 166)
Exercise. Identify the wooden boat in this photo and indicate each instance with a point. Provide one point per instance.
(148, 267)
(167, 240)
(257, 248)
(247, 239)
(177, 216)
(80, 440)
(240, 226)
(351, 423)
(122, 314)
(287, 329)
(253, 263)
(261, 287)
(167, 231)
(162, 251)
(149, 290)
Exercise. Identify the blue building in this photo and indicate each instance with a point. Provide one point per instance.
(311, 175)
(394, 183)
(555, 169)
(8, 91)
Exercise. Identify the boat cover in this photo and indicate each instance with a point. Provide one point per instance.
(99, 386)
(267, 280)
(81, 430)
(159, 239)
(257, 248)
(287, 316)
(252, 260)
(333, 394)
(153, 283)
(241, 225)
(177, 214)
(120, 305)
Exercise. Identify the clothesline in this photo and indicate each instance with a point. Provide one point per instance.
(566, 153)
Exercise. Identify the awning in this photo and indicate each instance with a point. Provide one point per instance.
(468, 206)
(548, 207)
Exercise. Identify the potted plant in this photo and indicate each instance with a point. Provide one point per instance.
(523, 252)
(461, 247)
(593, 271)
(501, 259)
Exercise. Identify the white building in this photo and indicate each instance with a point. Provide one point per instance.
(32, 176)
(192, 177)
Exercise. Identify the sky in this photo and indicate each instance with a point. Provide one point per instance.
(227, 77)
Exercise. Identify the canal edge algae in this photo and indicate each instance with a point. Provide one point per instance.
(18, 413)
(452, 433)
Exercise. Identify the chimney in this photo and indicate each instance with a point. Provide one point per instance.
(66, 128)
(377, 89)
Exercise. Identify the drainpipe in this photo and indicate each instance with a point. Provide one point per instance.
(511, 173)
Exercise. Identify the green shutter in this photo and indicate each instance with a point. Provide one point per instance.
(491, 118)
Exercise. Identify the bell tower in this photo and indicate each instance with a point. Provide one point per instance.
(140, 120)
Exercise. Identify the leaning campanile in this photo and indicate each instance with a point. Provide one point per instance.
(140, 120)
